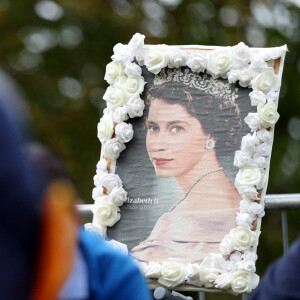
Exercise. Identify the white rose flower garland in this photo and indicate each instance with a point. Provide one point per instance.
(233, 269)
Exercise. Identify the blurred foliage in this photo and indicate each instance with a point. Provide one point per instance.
(57, 52)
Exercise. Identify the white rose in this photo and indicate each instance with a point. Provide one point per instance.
(133, 70)
(242, 238)
(156, 58)
(247, 192)
(209, 271)
(95, 228)
(131, 85)
(113, 148)
(120, 114)
(223, 281)
(177, 58)
(136, 42)
(241, 158)
(264, 149)
(257, 97)
(113, 70)
(122, 54)
(253, 121)
(273, 96)
(264, 175)
(98, 179)
(135, 106)
(117, 196)
(105, 213)
(260, 161)
(140, 56)
(265, 81)
(236, 256)
(234, 76)
(191, 271)
(172, 273)
(245, 205)
(229, 266)
(241, 55)
(115, 97)
(248, 175)
(245, 220)
(101, 166)
(97, 192)
(249, 143)
(249, 255)
(219, 62)
(108, 181)
(247, 265)
(105, 128)
(246, 76)
(243, 281)
(268, 114)
(124, 132)
(226, 246)
(265, 135)
(135, 85)
(152, 270)
(257, 209)
(197, 62)
(258, 64)
(108, 111)
(219, 258)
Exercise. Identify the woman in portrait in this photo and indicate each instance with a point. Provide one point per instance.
(193, 124)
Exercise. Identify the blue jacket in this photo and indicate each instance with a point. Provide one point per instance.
(112, 275)
(282, 281)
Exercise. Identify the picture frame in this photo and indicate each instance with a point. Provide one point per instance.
(240, 83)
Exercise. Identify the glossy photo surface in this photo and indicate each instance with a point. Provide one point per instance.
(178, 169)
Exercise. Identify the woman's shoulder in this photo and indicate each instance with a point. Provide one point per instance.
(212, 193)
(221, 187)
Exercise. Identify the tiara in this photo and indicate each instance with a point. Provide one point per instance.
(203, 82)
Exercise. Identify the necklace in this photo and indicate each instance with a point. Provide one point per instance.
(192, 186)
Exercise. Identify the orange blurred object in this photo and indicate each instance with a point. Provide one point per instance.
(58, 240)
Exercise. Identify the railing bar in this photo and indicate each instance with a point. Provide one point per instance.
(201, 295)
(285, 233)
(282, 201)
(272, 202)
(244, 296)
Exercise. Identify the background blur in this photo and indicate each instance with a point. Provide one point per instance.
(57, 53)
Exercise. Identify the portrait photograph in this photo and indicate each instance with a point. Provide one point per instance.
(178, 169)
(186, 140)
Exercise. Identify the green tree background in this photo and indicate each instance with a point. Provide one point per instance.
(57, 53)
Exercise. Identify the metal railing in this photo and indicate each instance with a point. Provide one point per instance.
(276, 202)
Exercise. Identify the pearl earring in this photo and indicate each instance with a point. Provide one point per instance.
(210, 144)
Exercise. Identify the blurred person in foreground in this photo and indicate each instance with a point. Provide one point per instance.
(43, 255)
(282, 280)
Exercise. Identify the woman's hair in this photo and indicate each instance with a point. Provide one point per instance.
(219, 116)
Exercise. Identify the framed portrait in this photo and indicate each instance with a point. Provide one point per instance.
(195, 126)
